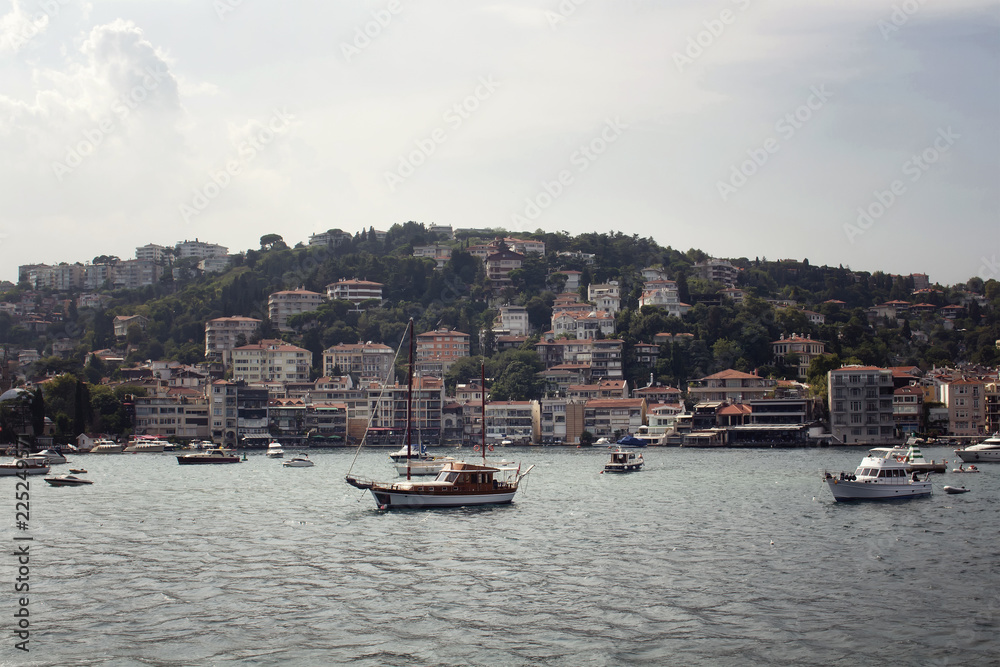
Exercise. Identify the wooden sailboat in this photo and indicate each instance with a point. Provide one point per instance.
(458, 484)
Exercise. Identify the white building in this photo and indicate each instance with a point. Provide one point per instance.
(270, 361)
(605, 297)
(355, 291)
(512, 320)
(663, 294)
(200, 249)
(284, 304)
(150, 252)
(369, 360)
(222, 334)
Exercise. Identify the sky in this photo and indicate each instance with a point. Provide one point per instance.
(861, 133)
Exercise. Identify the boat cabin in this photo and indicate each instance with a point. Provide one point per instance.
(622, 457)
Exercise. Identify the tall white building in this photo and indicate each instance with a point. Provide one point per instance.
(270, 361)
(200, 249)
(221, 334)
(284, 304)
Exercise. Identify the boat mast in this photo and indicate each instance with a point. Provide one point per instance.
(409, 401)
(482, 370)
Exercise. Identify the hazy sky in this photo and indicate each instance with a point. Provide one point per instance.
(855, 132)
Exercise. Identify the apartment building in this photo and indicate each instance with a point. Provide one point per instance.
(355, 291)
(731, 386)
(270, 360)
(284, 304)
(224, 334)
(371, 361)
(438, 350)
(861, 405)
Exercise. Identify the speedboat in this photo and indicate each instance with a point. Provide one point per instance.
(987, 450)
(880, 475)
(104, 446)
(24, 467)
(67, 480)
(274, 450)
(78, 471)
(956, 489)
(209, 456)
(300, 461)
(624, 461)
(962, 468)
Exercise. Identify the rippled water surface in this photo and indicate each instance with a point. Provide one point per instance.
(705, 558)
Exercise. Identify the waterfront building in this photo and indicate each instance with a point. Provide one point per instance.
(731, 386)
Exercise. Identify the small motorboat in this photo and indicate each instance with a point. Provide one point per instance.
(67, 480)
(78, 471)
(274, 450)
(624, 461)
(956, 489)
(209, 456)
(300, 461)
(962, 468)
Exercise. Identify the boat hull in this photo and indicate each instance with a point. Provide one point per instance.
(848, 490)
(980, 456)
(627, 467)
(204, 460)
(9, 470)
(405, 500)
(107, 449)
(927, 467)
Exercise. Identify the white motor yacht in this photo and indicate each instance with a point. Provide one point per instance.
(103, 446)
(145, 444)
(987, 450)
(52, 456)
(274, 450)
(300, 461)
(880, 475)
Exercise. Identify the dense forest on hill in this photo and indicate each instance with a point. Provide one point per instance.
(725, 335)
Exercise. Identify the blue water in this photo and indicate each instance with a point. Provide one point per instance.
(707, 557)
